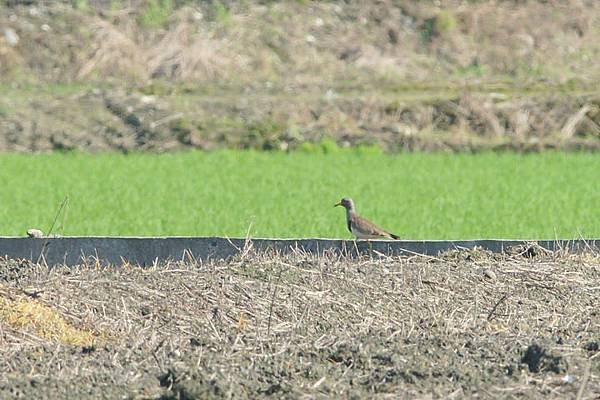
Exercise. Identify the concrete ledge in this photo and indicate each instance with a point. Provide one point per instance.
(147, 250)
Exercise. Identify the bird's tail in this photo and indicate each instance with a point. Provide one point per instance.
(395, 237)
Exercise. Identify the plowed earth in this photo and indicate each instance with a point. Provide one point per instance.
(464, 324)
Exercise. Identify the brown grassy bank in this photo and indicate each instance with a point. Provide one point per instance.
(161, 74)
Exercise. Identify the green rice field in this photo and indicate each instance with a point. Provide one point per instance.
(272, 194)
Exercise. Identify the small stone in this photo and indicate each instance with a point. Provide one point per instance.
(33, 292)
(330, 95)
(148, 99)
(35, 233)
(488, 273)
(145, 310)
(11, 36)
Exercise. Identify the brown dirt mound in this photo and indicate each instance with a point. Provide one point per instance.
(495, 326)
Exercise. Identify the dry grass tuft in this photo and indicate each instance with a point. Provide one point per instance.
(113, 53)
(29, 315)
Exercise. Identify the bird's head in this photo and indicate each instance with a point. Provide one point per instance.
(347, 203)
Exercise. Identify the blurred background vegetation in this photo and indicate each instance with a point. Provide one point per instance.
(403, 75)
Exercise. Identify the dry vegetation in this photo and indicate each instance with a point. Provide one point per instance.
(301, 42)
(524, 324)
(162, 74)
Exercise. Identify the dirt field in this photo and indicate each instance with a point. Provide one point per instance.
(466, 324)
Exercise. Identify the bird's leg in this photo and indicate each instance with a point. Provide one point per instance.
(356, 247)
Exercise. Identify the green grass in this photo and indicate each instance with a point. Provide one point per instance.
(418, 196)
(156, 13)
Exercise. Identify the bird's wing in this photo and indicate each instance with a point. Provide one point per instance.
(370, 229)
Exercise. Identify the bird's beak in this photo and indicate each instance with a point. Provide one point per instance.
(338, 204)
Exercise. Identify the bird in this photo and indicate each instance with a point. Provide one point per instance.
(361, 227)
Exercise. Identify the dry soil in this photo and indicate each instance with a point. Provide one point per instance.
(464, 324)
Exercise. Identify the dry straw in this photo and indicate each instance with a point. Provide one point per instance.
(298, 324)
